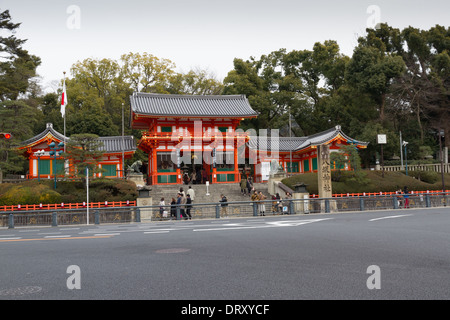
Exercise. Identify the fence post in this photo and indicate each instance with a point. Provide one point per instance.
(395, 200)
(217, 212)
(291, 207)
(96, 217)
(11, 221)
(327, 206)
(255, 209)
(54, 219)
(178, 213)
(361, 204)
(138, 215)
(427, 201)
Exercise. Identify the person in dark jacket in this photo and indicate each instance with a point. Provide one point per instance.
(223, 206)
(188, 207)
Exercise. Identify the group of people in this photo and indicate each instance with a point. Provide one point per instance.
(184, 201)
(246, 185)
(196, 177)
(277, 204)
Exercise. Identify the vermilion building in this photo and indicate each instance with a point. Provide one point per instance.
(187, 134)
(45, 165)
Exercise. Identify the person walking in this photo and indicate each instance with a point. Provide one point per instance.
(183, 206)
(191, 193)
(188, 206)
(173, 208)
(249, 186)
(262, 206)
(243, 185)
(162, 204)
(406, 196)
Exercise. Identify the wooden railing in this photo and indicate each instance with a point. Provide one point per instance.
(56, 206)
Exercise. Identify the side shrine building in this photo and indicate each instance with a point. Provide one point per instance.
(42, 164)
(197, 138)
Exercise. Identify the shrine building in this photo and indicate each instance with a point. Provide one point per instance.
(199, 137)
(44, 165)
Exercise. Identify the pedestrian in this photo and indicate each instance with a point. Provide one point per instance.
(249, 186)
(182, 192)
(223, 206)
(406, 196)
(274, 204)
(262, 206)
(193, 176)
(186, 178)
(179, 195)
(183, 206)
(288, 202)
(188, 206)
(243, 185)
(279, 203)
(191, 193)
(173, 208)
(161, 208)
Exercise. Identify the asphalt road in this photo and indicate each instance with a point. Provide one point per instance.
(401, 254)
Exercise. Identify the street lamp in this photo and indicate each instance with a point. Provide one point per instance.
(39, 154)
(406, 158)
(56, 151)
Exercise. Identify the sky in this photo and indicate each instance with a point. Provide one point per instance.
(205, 34)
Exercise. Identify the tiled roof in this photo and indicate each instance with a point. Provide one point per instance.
(191, 105)
(299, 143)
(110, 144)
(114, 144)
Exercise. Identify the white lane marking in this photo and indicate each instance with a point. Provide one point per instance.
(60, 236)
(13, 238)
(106, 234)
(272, 224)
(391, 217)
(149, 232)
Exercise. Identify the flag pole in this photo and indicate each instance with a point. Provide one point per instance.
(64, 116)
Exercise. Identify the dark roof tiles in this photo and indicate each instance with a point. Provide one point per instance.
(191, 105)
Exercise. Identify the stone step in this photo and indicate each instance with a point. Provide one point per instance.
(231, 191)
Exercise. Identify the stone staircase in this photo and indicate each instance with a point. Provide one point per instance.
(231, 191)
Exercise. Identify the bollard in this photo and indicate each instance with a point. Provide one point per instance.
(217, 212)
(327, 206)
(291, 207)
(138, 215)
(395, 202)
(11, 221)
(427, 201)
(361, 204)
(54, 219)
(96, 217)
(178, 213)
(255, 209)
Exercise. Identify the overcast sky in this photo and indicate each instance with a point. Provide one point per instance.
(207, 34)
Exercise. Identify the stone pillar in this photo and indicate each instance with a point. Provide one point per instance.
(301, 193)
(324, 176)
(144, 200)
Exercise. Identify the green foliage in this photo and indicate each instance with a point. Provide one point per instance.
(30, 192)
(373, 182)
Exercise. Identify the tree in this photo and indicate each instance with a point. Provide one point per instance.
(373, 67)
(85, 151)
(17, 66)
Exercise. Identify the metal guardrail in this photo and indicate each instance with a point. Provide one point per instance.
(218, 210)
